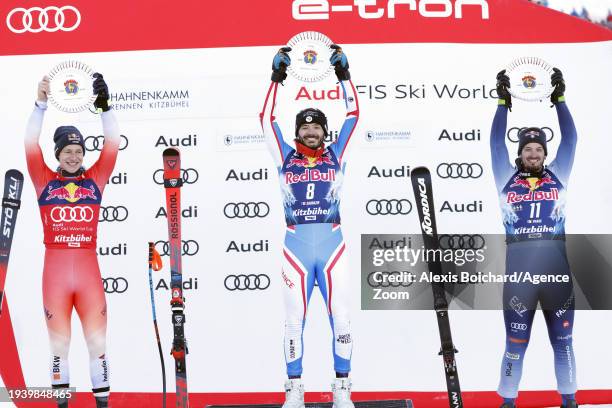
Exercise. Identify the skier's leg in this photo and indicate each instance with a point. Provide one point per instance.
(90, 304)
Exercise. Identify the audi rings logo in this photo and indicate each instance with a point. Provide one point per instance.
(465, 241)
(115, 285)
(190, 247)
(95, 143)
(389, 207)
(77, 213)
(459, 170)
(247, 282)
(513, 132)
(189, 176)
(111, 214)
(381, 279)
(518, 326)
(49, 19)
(246, 210)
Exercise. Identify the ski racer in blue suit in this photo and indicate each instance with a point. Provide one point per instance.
(311, 175)
(532, 198)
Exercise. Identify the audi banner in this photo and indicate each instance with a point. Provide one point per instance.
(194, 75)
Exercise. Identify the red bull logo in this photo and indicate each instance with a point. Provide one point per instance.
(71, 86)
(513, 197)
(544, 181)
(532, 183)
(310, 56)
(310, 161)
(521, 183)
(310, 175)
(71, 193)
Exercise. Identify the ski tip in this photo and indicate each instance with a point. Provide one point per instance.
(14, 173)
(419, 170)
(171, 151)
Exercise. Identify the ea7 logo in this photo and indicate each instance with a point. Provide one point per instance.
(368, 9)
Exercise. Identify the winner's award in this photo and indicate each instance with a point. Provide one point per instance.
(71, 87)
(530, 78)
(310, 54)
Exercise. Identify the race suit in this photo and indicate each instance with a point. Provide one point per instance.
(533, 210)
(69, 208)
(314, 249)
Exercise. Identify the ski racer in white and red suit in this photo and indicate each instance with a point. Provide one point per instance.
(311, 175)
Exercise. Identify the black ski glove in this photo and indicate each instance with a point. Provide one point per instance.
(503, 83)
(556, 80)
(101, 89)
(340, 62)
(279, 65)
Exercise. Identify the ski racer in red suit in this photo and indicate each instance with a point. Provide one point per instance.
(69, 202)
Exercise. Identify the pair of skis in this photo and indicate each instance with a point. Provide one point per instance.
(421, 184)
(172, 183)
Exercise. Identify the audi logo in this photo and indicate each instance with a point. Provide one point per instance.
(518, 326)
(461, 241)
(189, 176)
(459, 170)
(93, 143)
(77, 213)
(246, 210)
(389, 207)
(115, 285)
(111, 214)
(190, 247)
(247, 282)
(42, 16)
(513, 132)
(380, 279)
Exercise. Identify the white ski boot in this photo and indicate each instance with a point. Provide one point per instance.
(294, 394)
(341, 387)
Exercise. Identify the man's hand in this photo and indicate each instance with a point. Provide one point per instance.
(340, 62)
(279, 65)
(557, 81)
(43, 90)
(101, 89)
(503, 83)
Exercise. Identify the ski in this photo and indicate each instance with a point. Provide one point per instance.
(423, 193)
(155, 263)
(172, 183)
(11, 201)
(10, 363)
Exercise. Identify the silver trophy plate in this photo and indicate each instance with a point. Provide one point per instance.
(310, 55)
(71, 86)
(530, 78)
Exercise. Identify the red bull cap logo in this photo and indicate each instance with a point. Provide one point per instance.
(71, 193)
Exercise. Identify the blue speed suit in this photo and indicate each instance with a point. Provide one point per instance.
(314, 249)
(533, 210)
